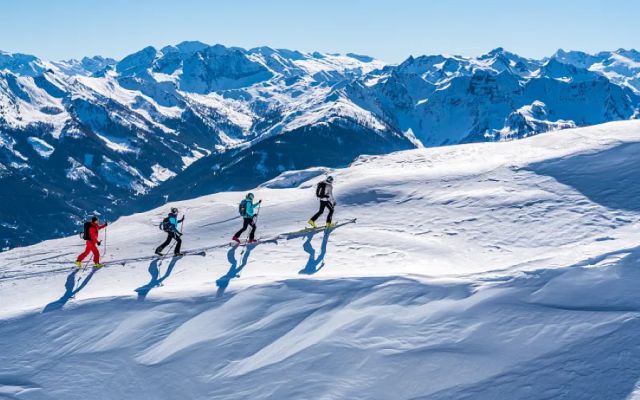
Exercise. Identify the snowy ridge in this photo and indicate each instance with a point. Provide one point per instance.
(482, 269)
(445, 99)
(620, 66)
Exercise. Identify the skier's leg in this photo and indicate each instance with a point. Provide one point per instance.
(252, 234)
(178, 243)
(86, 251)
(330, 215)
(96, 253)
(319, 213)
(165, 244)
(245, 224)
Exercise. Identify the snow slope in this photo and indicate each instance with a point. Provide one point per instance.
(493, 270)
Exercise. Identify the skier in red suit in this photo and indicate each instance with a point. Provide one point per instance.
(91, 237)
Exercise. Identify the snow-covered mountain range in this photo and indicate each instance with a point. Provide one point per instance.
(107, 136)
(475, 271)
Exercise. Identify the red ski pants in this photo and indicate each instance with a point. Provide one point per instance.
(91, 247)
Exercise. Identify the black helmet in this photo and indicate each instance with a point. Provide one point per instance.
(250, 196)
(174, 210)
(329, 179)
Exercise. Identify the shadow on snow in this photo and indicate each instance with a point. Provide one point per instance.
(72, 287)
(315, 264)
(609, 178)
(234, 269)
(156, 280)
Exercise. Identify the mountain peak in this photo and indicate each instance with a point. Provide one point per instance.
(185, 47)
(361, 58)
(496, 51)
(21, 64)
(138, 60)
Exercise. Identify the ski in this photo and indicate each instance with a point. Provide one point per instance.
(194, 253)
(184, 253)
(233, 243)
(123, 262)
(307, 230)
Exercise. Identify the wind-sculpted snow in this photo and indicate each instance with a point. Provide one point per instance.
(363, 338)
(494, 270)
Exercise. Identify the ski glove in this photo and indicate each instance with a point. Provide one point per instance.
(99, 242)
(181, 220)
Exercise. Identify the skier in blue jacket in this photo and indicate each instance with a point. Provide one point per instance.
(170, 225)
(248, 212)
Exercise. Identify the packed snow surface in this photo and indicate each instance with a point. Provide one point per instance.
(494, 270)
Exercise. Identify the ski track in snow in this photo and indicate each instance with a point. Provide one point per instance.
(496, 270)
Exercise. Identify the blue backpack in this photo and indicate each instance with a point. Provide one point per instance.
(242, 208)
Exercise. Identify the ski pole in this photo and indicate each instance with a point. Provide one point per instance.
(168, 251)
(104, 253)
(258, 214)
(84, 268)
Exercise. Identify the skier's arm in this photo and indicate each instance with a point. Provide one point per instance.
(94, 235)
(103, 226)
(174, 224)
(330, 194)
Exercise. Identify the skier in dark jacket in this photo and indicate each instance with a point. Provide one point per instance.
(170, 225)
(248, 212)
(91, 237)
(324, 192)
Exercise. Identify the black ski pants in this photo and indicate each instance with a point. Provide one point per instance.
(171, 235)
(324, 204)
(248, 222)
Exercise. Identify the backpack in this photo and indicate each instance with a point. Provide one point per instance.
(242, 208)
(86, 235)
(165, 225)
(320, 190)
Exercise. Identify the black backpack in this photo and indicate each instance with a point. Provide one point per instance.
(242, 208)
(85, 234)
(165, 225)
(320, 190)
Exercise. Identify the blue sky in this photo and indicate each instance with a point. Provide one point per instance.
(387, 29)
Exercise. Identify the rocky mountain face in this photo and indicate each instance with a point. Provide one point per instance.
(447, 100)
(97, 135)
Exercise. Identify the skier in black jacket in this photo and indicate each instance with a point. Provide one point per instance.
(170, 225)
(324, 192)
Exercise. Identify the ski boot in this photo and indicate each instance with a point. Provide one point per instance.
(329, 225)
(98, 265)
(236, 239)
(312, 223)
(159, 253)
(252, 241)
(78, 264)
(178, 254)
